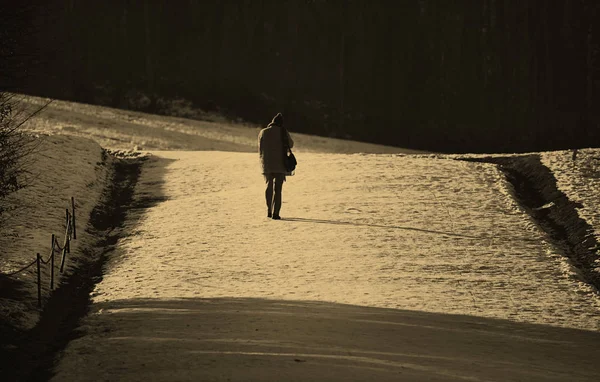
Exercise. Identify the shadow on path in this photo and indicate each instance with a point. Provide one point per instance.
(241, 339)
(336, 222)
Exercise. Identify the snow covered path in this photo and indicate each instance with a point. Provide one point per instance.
(376, 230)
(411, 233)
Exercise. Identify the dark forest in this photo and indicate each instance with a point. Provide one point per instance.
(442, 75)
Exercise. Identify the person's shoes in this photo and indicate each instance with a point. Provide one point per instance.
(276, 217)
(269, 214)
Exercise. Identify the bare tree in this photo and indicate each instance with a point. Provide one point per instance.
(16, 146)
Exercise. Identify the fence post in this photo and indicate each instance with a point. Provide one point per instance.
(62, 262)
(73, 217)
(39, 281)
(68, 231)
(52, 263)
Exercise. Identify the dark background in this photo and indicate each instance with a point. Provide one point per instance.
(443, 75)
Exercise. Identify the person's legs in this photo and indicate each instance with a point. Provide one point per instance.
(279, 178)
(269, 193)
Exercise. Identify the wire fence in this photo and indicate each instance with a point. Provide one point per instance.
(55, 248)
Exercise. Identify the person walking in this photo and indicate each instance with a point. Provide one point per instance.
(272, 150)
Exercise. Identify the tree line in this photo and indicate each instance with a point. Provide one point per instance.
(444, 75)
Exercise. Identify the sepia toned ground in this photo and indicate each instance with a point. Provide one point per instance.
(400, 232)
(385, 266)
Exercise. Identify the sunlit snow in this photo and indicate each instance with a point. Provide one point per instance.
(417, 232)
(409, 232)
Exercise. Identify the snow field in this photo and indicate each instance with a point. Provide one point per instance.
(124, 129)
(406, 232)
(425, 233)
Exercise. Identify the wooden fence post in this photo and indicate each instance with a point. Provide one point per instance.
(68, 231)
(39, 281)
(62, 262)
(73, 218)
(52, 263)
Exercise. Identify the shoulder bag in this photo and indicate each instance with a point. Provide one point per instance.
(289, 159)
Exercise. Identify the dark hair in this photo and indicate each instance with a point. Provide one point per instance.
(278, 120)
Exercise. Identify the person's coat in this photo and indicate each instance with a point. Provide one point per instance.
(270, 147)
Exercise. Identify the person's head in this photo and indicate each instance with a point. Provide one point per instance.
(278, 120)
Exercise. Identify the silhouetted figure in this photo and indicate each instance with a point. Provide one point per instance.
(272, 151)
